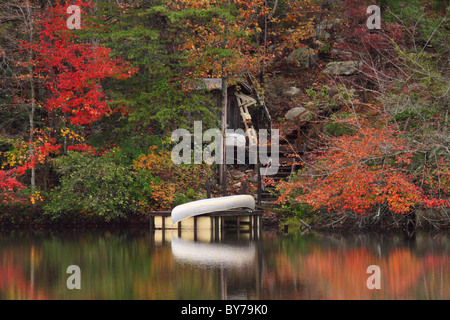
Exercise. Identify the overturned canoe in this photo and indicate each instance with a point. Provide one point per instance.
(199, 207)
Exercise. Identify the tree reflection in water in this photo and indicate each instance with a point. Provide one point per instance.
(134, 264)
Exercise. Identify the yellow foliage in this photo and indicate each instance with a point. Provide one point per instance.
(175, 181)
(71, 135)
(35, 197)
(163, 194)
(157, 162)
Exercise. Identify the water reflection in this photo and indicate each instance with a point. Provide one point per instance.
(202, 254)
(137, 264)
(334, 267)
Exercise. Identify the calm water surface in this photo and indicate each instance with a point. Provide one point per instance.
(136, 264)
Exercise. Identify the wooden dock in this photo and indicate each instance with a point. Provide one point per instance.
(239, 221)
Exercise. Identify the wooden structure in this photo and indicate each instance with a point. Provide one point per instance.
(218, 223)
(239, 100)
(244, 102)
(245, 110)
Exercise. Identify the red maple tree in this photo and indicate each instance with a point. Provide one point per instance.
(8, 184)
(72, 69)
(359, 173)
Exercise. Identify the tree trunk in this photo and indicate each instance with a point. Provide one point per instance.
(32, 94)
(223, 165)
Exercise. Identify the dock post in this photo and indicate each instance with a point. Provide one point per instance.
(250, 226)
(255, 226)
(216, 228)
(260, 225)
(152, 223)
(212, 228)
(195, 228)
(222, 227)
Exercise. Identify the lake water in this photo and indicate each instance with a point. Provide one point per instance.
(138, 264)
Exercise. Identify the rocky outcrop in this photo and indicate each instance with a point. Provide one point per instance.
(292, 92)
(302, 58)
(295, 113)
(341, 68)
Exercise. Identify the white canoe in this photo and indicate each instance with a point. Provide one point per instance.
(196, 208)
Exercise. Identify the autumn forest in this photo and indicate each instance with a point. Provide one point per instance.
(91, 91)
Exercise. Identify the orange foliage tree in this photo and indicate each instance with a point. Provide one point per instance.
(229, 38)
(163, 184)
(359, 173)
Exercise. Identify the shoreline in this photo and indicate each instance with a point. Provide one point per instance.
(33, 218)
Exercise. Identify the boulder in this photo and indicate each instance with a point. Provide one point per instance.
(237, 175)
(321, 33)
(295, 113)
(292, 92)
(342, 68)
(303, 57)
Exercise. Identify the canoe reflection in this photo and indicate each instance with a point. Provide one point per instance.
(206, 254)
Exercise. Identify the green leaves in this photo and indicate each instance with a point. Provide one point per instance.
(90, 185)
(144, 34)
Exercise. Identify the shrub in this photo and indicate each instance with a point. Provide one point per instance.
(90, 185)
